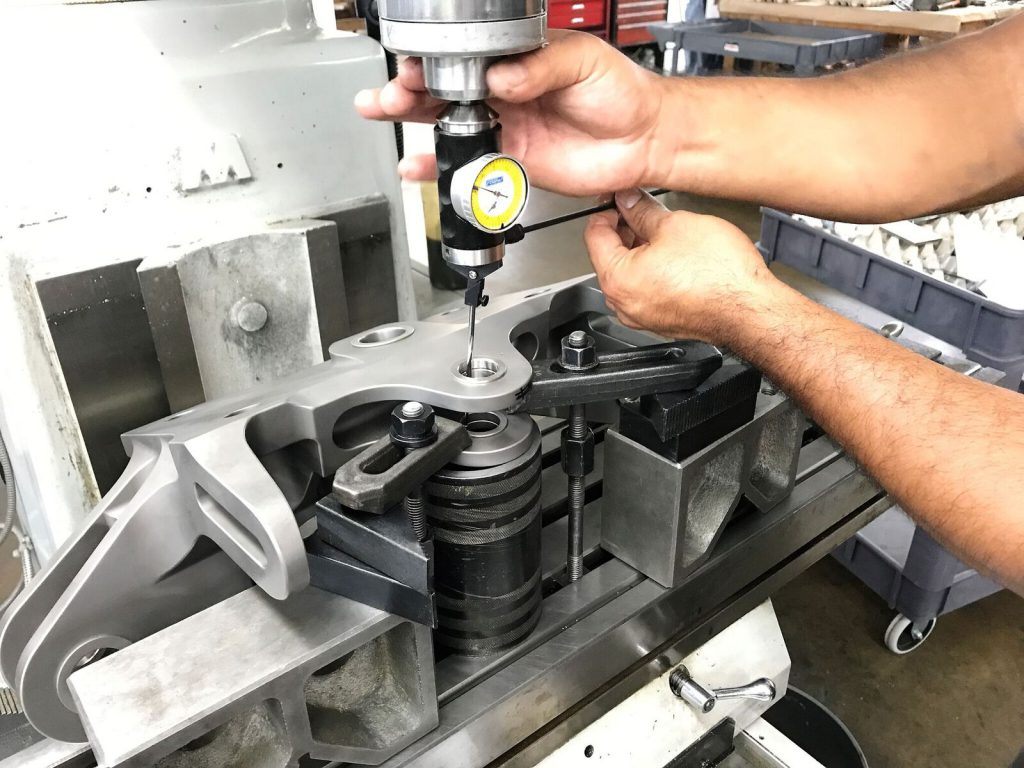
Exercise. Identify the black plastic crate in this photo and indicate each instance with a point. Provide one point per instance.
(987, 332)
(800, 46)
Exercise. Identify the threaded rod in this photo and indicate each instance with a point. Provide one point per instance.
(575, 559)
(413, 504)
(414, 507)
(577, 487)
(578, 422)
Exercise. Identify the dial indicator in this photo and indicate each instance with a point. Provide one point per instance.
(491, 192)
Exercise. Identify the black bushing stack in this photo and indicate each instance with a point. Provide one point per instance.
(486, 525)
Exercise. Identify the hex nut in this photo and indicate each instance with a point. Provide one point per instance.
(413, 431)
(577, 356)
(577, 454)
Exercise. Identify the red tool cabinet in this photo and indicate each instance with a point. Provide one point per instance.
(632, 18)
(588, 15)
(624, 22)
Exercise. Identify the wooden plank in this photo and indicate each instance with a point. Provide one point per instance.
(887, 19)
(352, 25)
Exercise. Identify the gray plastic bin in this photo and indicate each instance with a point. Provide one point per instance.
(988, 333)
(802, 47)
(898, 560)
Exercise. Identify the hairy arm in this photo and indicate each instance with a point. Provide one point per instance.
(940, 128)
(948, 448)
(936, 129)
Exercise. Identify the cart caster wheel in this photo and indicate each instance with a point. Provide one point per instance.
(903, 637)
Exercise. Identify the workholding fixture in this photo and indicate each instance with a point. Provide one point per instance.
(261, 222)
(520, 645)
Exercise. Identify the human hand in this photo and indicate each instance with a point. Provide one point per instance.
(680, 275)
(577, 113)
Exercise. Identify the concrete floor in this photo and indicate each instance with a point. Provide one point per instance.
(956, 701)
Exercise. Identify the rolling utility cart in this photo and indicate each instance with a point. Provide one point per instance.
(894, 557)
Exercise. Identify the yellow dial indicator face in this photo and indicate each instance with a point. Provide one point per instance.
(499, 194)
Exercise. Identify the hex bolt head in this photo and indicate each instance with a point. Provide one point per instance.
(250, 316)
(579, 352)
(413, 425)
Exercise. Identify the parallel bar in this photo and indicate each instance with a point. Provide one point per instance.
(816, 456)
(763, 744)
(51, 754)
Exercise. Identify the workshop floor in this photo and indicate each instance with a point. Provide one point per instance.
(956, 701)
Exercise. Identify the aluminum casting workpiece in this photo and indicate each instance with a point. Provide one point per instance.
(231, 474)
(210, 496)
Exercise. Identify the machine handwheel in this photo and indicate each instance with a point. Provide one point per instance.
(902, 636)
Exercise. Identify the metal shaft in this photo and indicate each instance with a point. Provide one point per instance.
(577, 487)
(472, 340)
(610, 205)
(417, 515)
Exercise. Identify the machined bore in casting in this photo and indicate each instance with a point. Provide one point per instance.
(480, 369)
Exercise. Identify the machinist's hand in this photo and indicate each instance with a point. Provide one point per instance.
(580, 115)
(680, 275)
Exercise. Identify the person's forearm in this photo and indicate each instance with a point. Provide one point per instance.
(948, 448)
(932, 130)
